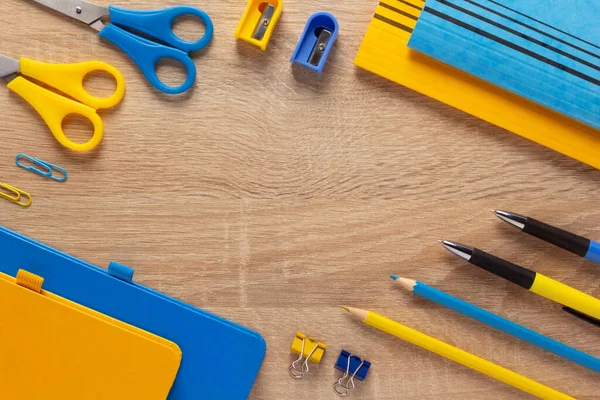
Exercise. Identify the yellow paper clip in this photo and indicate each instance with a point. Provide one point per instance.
(307, 349)
(258, 22)
(15, 195)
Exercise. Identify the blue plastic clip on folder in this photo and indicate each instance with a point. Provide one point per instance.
(547, 51)
(220, 358)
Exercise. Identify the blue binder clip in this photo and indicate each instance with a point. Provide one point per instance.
(316, 41)
(353, 368)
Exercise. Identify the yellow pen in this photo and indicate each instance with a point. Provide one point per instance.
(583, 304)
(455, 354)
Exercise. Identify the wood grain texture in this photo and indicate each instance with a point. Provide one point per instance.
(270, 196)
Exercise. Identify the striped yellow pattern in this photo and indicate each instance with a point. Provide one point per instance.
(397, 17)
(384, 52)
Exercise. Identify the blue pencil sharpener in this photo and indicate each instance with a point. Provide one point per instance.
(316, 41)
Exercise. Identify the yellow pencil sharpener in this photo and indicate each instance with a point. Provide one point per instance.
(258, 22)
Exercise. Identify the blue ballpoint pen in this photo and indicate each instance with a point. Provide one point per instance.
(579, 245)
(502, 324)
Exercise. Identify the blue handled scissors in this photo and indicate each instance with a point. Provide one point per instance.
(155, 24)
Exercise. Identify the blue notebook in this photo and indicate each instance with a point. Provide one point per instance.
(547, 51)
(220, 358)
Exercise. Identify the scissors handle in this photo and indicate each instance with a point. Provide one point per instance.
(158, 24)
(146, 54)
(68, 78)
(53, 108)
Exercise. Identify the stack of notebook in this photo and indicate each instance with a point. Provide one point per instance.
(529, 66)
(70, 330)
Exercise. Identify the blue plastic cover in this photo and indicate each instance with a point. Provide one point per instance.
(220, 358)
(547, 51)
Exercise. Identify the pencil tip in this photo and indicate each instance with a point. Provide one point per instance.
(494, 211)
(440, 241)
(394, 277)
(345, 308)
(408, 284)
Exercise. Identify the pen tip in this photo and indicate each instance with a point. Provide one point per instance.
(345, 308)
(440, 241)
(394, 277)
(494, 211)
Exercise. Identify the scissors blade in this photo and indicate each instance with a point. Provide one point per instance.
(8, 67)
(81, 10)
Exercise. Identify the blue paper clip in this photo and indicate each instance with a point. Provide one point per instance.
(353, 368)
(316, 41)
(47, 171)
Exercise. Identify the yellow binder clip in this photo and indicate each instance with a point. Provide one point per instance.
(13, 194)
(307, 349)
(258, 22)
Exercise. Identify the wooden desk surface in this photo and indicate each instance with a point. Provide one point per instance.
(270, 197)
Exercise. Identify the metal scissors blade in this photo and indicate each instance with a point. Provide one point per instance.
(8, 66)
(84, 11)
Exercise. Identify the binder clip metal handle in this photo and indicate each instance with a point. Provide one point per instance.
(293, 369)
(344, 388)
(353, 368)
(299, 346)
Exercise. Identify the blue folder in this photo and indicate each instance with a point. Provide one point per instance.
(220, 358)
(547, 51)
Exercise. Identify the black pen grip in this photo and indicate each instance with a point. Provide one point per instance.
(521, 276)
(558, 237)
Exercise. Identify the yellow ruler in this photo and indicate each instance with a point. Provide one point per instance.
(384, 52)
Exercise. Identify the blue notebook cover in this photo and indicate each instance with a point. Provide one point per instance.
(547, 51)
(220, 358)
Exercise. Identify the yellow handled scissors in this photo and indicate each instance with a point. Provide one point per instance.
(54, 107)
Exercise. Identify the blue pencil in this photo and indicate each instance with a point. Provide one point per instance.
(502, 324)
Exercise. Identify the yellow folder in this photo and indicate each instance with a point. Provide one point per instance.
(54, 349)
(384, 52)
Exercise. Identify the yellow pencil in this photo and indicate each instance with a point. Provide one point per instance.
(455, 354)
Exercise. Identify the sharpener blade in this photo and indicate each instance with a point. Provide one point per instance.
(320, 46)
(263, 23)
